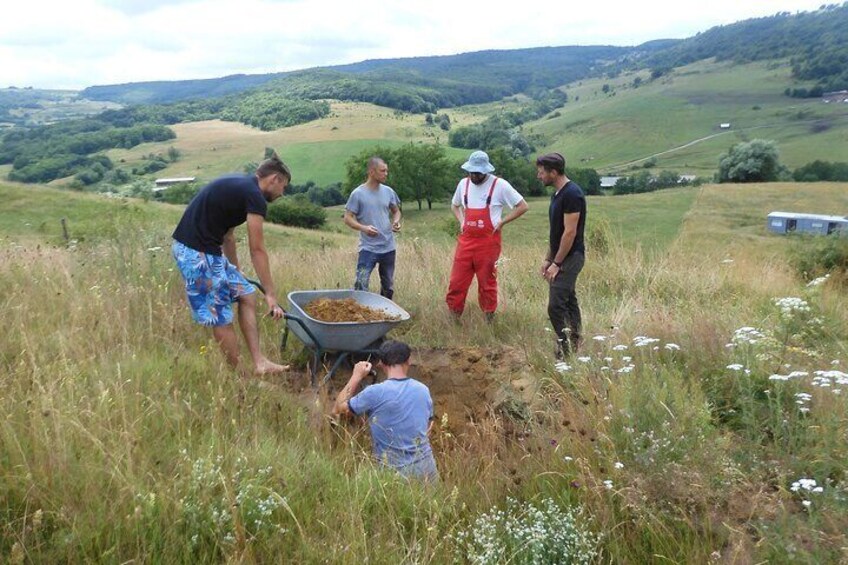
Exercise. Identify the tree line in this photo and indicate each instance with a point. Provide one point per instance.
(814, 42)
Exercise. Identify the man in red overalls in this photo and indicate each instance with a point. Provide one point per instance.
(478, 204)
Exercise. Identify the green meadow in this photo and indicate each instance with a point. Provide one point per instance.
(704, 419)
(609, 131)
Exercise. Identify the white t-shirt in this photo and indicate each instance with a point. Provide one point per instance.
(504, 194)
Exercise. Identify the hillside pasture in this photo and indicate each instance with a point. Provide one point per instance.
(608, 131)
(315, 151)
(125, 437)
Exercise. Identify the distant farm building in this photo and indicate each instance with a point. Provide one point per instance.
(686, 179)
(788, 222)
(724, 125)
(165, 183)
(835, 96)
(609, 182)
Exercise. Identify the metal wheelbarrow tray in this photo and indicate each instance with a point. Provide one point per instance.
(338, 337)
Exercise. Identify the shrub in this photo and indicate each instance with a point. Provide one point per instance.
(181, 193)
(816, 255)
(297, 211)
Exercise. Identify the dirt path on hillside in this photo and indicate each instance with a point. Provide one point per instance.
(617, 166)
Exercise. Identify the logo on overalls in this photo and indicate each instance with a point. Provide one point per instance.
(480, 223)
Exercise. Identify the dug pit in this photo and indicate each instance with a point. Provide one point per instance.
(468, 386)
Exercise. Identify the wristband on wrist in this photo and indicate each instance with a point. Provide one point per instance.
(558, 265)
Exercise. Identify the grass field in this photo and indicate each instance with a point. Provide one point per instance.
(315, 151)
(125, 438)
(605, 130)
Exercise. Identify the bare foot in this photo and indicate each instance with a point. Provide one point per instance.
(268, 368)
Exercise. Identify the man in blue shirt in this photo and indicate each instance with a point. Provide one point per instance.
(399, 412)
(205, 251)
(373, 210)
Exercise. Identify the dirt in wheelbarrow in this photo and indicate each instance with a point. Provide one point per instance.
(345, 310)
(469, 386)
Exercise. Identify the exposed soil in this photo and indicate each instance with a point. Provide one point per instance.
(468, 385)
(345, 310)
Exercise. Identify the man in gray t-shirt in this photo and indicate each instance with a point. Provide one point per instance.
(373, 210)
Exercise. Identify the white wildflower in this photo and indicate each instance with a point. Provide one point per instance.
(791, 305)
(818, 282)
(642, 341)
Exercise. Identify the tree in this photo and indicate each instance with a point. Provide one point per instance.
(753, 161)
(588, 179)
(419, 172)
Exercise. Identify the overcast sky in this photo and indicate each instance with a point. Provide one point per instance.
(78, 43)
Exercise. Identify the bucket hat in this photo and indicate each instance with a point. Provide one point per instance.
(478, 162)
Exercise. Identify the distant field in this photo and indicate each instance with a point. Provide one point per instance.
(315, 151)
(606, 130)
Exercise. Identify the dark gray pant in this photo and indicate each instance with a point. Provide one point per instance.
(563, 309)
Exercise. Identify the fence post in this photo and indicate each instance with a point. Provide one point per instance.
(65, 230)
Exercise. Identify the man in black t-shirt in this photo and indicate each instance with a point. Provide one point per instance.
(565, 257)
(205, 251)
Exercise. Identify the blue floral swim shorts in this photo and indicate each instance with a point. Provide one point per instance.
(212, 284)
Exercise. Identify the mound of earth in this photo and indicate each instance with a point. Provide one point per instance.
(345, 310)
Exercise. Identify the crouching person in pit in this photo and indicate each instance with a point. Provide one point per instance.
(399, 411)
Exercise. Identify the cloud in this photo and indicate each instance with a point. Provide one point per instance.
(86, 42)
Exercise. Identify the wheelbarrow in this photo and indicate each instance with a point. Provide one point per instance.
(342, 338)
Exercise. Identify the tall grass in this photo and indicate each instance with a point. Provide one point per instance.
(125, 437)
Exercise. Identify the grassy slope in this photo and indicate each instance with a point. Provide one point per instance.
(116, 434)
(604, 130)
(315, 151)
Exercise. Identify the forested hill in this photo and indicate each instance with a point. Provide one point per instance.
(490, 73)
(163, 91)
(517, 70)
(816, 43)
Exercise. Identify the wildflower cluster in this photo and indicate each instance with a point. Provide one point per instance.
(805, 487)
(830, 380)
(791, 306)
(523, 533)
(798, 321)
(746, 336)
(626, 364)
(216, 500)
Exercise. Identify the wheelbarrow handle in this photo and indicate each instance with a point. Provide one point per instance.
(257, 284)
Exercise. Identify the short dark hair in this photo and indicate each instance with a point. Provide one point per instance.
(552, 162)
(271, 166)
(374, 162)
(394, 353)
